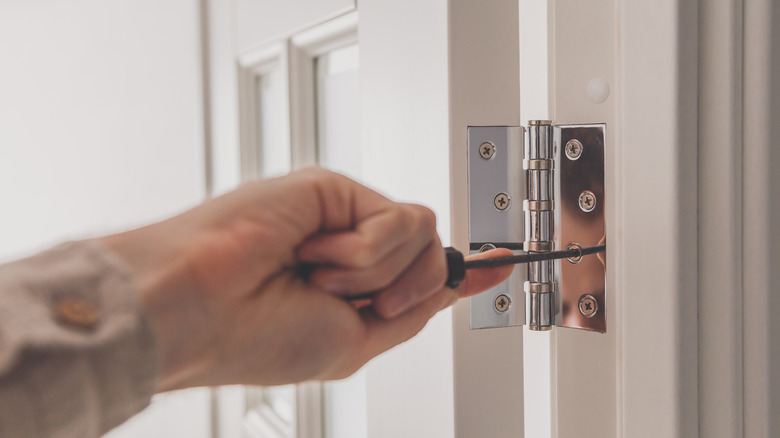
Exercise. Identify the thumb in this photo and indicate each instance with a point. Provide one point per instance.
(480, 280)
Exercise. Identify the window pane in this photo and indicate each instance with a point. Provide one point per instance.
(338, 148)
(270, 412)
(338, 110)
(272, 134)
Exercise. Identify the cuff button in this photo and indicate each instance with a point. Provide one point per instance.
(77, 313)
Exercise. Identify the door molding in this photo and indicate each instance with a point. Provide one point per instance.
(484, 90)
(302, 49)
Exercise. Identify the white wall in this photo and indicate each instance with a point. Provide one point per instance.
(100, 129)
(100, 117)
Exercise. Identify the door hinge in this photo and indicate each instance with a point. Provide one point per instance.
(538, 189)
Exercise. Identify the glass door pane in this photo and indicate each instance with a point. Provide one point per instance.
(337, 86)
(338, 110)
(273, 150)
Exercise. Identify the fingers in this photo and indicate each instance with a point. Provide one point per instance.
(373, 255)
(327, 201)
(373, 237)
(423, 278)
(383, 334)
(349, 281)
(480, 280)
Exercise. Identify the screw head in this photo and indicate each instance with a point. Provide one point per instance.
(576, 259)
(573, 149)
(487, 150)
(501, 201)
(502, 303)
(588, 306)
(487, 247)
(587, 201)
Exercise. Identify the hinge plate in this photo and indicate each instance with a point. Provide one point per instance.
(576, 173)
(501, 173)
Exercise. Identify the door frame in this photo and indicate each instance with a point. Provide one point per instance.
(641, 377)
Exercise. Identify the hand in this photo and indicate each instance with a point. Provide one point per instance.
(223, 293)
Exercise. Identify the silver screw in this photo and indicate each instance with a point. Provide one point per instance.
(588, 306)
(502, 303)
(573, 149)
(501, 201)
(587, 201)
(487, 247)
(576, 259)
(487, 150)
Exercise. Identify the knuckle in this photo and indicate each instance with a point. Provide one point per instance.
(426, 219)
(363, 255)
(315, 175)
(382, 278)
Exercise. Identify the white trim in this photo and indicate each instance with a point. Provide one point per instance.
(484, 89)
(659, 61)
(319, 40)
(761, 215)
(540, 375)
(720, 224)
(584, 378)
(308, 416)
(297, 30)
(302, 49)
(262, 422)
(250, 65)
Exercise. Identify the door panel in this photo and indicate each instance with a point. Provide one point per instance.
(404, 119)
(484, 91)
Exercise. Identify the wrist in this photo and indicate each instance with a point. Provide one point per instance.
(161, 276)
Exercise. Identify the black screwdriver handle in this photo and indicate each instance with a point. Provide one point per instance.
(456, 267)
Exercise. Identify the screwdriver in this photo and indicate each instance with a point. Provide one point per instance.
(457, 264)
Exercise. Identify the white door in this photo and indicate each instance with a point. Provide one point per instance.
(322, 82)
(690, 344)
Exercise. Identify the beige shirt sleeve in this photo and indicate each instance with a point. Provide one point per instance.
(77, 357)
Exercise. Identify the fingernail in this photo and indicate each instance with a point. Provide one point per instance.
(398, 302)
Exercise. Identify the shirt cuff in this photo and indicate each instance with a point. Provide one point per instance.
(77, 355)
